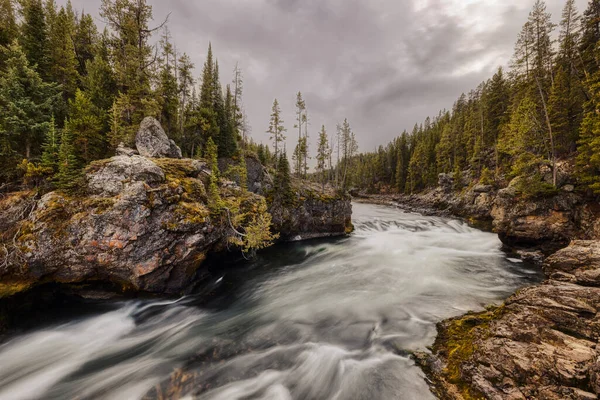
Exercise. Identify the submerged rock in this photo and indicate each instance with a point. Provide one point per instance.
(152, 141)
(542, 343)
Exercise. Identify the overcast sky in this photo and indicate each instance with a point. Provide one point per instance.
(383, 64)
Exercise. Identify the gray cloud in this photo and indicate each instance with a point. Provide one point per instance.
(383, 64)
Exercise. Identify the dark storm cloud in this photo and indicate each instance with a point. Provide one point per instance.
(383, 64)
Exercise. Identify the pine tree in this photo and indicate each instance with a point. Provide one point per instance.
(63, 59)
(85, 41)
(238, 114)
(227, 135)
(283, 181)
(207, 88)
(588, 146)
(298, 157)
(50, 149)
(26, 107)
(132, 55)
(300, 121)
(304, 147)
(207, 118)
(322, 156)
(590, 36)
(168, 91)
(8, 24)
(565, 112)
(276, 129)
(34, 37)
(85, 128)
(349, 148)
(569, 36)
(185, 69)
(100, 86)
(69, 169)
(222, 117)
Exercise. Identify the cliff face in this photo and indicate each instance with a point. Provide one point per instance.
(140, 224)
(312, 214)
(542, 343)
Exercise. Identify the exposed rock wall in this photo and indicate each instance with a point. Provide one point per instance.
(312, 214)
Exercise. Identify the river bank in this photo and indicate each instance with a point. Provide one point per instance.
(542, 342)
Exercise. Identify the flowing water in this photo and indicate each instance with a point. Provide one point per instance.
(333, 319)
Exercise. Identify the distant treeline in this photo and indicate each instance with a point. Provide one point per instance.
(523, 123)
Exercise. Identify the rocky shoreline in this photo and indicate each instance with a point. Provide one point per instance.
(542, 343)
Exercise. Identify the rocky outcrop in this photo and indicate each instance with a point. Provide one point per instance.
(142, 225)
(258, 180)
(548, 223)
(145, 225)
(312, 214)
(541, 344)
(152, 141)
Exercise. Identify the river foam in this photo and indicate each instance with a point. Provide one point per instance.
(328, 319)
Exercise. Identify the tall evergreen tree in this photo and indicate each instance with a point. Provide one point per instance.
(100, 85)
(283, 181)
(132, 56)
(227, 134)
(63, 60)
(276, 129)
(50, 148)
(238, 114)
(34, 37)
(69, 168)
(26, 107)
(322, 156)
(85, 41)
(168, 88)
(8, 24)
(207, 115)
(590, 36)
(300, 121)
(85, 129)
(186, 104)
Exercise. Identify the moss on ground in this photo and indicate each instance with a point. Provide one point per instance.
(458, 342)
(176, 168)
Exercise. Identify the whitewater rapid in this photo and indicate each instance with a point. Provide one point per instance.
(331, 319)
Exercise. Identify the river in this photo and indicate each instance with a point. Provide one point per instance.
(327, 319)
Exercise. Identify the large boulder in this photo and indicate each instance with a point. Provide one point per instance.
(152, 141)
(312, 214)
(139, 225)
(109, 177)
(548, 223)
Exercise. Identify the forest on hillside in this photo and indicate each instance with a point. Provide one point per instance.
(70, 94)
(526, 122)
